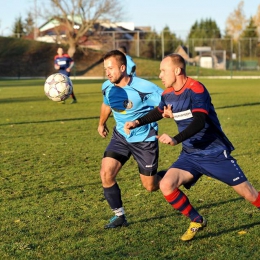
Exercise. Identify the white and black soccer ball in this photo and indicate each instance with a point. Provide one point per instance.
(58, 87)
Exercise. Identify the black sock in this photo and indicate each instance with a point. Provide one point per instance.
(113, 196)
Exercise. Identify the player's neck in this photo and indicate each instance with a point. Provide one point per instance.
(124, 81)
(180, 84)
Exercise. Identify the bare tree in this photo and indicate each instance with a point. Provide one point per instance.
(78, 17)
(236, 22)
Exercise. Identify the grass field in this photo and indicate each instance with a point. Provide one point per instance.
(52, 204)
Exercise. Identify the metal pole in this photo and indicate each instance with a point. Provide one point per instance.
(162, 40)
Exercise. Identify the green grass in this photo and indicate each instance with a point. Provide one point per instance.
(52, 204)
(150, 68)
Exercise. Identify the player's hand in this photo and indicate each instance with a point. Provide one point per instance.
(167, 111)
(103, 130)
(130, 125)
(68, 69)
(165, 139)
(57, 67)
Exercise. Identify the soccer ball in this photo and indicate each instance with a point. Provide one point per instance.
(58, 87)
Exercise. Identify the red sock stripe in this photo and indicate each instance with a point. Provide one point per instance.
(179, 201)
(257, 202)
(171, 197)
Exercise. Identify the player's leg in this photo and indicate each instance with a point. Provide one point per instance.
(114, 158)
(229, 172)
(169, 186)
(74, 99)
(146, 156)
(108, 172)
(150, 183)
(247, 191)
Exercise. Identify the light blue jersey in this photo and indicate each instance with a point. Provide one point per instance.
(130, 64)
(131, 102)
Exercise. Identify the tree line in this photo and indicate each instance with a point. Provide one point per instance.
(89, 12)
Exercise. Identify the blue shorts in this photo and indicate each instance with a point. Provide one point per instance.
(222, 167)
(145, 153)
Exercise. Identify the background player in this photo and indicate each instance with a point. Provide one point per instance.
(64, 63)
(128, 98)
(205, 147)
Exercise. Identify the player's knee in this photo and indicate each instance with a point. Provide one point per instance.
(106, 177)
(151, 187)
(166, 186)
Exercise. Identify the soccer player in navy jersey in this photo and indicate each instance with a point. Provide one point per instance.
(131, 66)
(205, 148)
(128, 98)
(64, 63)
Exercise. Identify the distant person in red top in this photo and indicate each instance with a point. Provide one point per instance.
(64, 63)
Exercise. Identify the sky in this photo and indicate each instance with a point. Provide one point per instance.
(178, 15)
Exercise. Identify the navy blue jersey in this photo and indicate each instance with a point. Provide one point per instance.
(194, 97)
(131, 102)
(64, 62)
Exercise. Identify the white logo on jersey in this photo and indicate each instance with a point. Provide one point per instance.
(61, 62)
(182, 115)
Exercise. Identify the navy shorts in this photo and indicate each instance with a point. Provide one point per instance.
(222, 167)
(145, 153)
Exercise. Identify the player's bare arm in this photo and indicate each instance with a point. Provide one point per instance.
(103, 130)
(105, 112)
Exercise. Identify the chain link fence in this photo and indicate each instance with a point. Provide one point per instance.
(227, 54)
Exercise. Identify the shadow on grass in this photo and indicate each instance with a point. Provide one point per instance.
(174, 212)
(51, 121)
(22, 99)
(239, 228)
(241, 105)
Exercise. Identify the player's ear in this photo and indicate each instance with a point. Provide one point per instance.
(177, 71)
(123, 68)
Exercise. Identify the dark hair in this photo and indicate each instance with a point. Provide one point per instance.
(118, 55)
(178, 60)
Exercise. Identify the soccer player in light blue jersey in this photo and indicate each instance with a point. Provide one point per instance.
(128, 98)
(205, 148)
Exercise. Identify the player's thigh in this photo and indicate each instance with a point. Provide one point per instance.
(173, 179)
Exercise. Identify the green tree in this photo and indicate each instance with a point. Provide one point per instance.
(29, 23)
(18, 28)
(203, 33)
(170, 41)
(150, 45)
(204, 29)
(249, 38)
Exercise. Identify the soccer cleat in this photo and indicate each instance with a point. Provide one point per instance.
(117, 221)
(193, 229)
(73, 101)
(61, 102)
